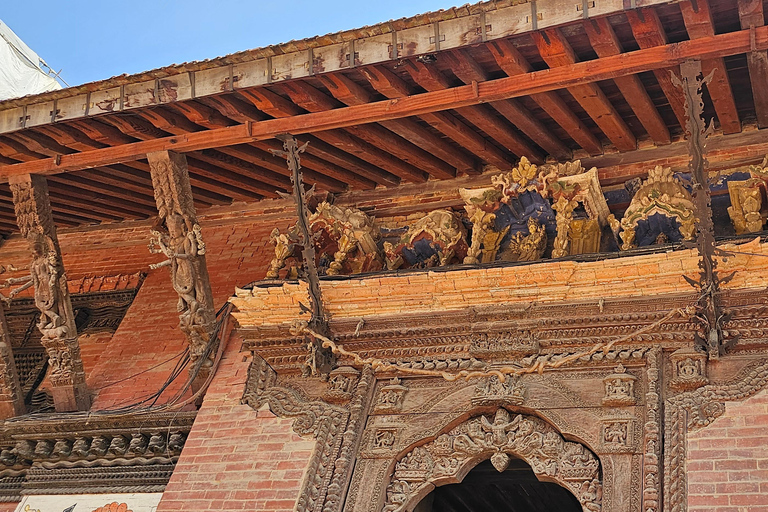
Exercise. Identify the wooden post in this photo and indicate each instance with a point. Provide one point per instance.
(47, 275)
(177, 235)
(11, 398)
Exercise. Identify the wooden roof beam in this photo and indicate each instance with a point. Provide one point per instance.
(428, 77)
(274, 169)
(512, 62)
(751, 15)
(265, 159)
(699, 24)
(177, 124)
(416, 158)
(278, 107)
(318, 171)
(267, 179)
(556, 52)
(468, 71)
(649, 32)
(605, 43)
(392, 86)
(581, 73)
(118, 201)
(350, 93)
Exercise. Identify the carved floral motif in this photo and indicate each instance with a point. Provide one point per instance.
(499, 436)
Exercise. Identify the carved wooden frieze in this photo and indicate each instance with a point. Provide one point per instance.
(492, 391)
(436, 240)
(345, 243)
(661, 210)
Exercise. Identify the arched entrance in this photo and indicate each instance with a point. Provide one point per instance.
(485, 489)
(501, 437)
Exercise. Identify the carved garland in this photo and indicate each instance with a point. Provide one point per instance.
(695, 409)
(450, 456)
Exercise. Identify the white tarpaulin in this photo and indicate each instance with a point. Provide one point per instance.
(20, 72)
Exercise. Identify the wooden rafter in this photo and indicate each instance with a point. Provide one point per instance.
(280, 108)
(428, 77)
(350, 93)
(649, 33)
(313, 100)
(699, 24)
(468, 71)
(536, 82)
(512, 62)
(605, 43)
(556, 52)
(392, 86)
(751, 15)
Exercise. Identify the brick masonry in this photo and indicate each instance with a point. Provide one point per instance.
(237, 458)
(728, 460)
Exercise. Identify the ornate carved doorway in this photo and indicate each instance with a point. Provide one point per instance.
(486, 489)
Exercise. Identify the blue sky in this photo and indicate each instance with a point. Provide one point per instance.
(94, 40)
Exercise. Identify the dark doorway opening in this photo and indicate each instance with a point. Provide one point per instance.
(484, 489)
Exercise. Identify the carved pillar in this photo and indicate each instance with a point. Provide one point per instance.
(47, 275)
(177, 235)
(11, 398)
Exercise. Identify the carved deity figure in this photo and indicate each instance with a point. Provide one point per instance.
(46, 276)
(616, 433)
(183, 246)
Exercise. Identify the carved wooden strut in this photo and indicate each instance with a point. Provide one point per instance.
(47, 275)
(177, 235)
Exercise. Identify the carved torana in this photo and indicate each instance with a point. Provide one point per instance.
(497, 436)
(177, 236)
(57, 321)
(662, 208)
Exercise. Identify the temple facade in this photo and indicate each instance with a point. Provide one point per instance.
(505, 257)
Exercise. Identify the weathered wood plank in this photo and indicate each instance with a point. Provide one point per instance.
(751, 15)
(495, 90)
(605, 43)
(698, 21)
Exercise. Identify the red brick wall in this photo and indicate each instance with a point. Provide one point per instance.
(238, 252)
(237, 458)
(728, 460)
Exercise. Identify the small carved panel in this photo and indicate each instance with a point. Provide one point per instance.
(492, 391)
(341, 384)
(390, 398)
(436, 240)
(689, 369)
(617, 435)
(619, 388)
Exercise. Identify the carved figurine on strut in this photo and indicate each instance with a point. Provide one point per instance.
(183, 245)
(47, 276)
